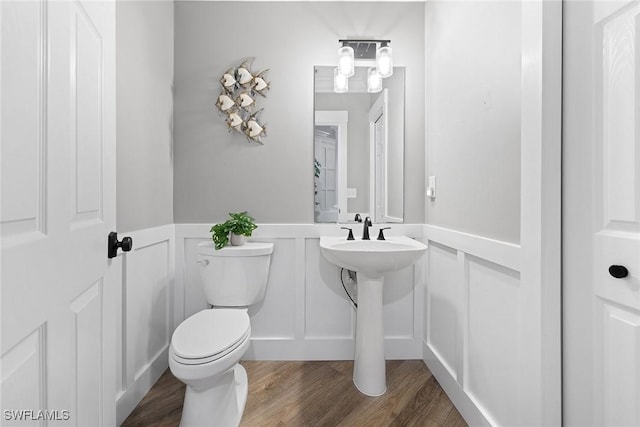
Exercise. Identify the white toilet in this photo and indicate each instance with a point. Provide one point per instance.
(206, 347)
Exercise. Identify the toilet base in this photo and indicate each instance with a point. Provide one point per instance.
(220, 405)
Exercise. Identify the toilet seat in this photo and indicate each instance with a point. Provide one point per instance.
(209, 335)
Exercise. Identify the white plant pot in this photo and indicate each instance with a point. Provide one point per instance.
(238, 239)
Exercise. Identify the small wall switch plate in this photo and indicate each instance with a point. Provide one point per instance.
(431, 187)
(352, 193)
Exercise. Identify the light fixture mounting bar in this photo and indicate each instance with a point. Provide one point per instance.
(364, 48)
(363, 41)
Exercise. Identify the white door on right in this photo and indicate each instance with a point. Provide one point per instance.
(378, 119)
(602, 213)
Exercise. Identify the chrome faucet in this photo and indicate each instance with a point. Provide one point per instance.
(365, 228)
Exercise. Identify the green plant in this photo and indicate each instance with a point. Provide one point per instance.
(240, 223)
(316, 174)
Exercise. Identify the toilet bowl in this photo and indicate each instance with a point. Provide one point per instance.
(205, 358)
(206, 348)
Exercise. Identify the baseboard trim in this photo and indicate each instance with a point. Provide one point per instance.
(128, 399)
(464, 403)
(327, 349)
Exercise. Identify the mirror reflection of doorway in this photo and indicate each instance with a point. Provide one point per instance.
(378, 150)
(330, 162)
(385, 165)
(326, 142)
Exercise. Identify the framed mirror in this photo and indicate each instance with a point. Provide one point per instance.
(358, 148)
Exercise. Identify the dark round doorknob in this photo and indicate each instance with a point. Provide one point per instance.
(126, 244)
(618, 271)
(113, 244)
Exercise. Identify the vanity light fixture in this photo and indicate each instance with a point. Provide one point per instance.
(340, 81)
(374, 80)
(346, 60)
(371, 51)
(384, 60)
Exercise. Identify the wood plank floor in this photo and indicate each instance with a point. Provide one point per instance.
(316, 394)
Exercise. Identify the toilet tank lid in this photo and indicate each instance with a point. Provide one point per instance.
(248, 249)
(210, 332)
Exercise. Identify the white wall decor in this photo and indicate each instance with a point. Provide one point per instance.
(238, 100)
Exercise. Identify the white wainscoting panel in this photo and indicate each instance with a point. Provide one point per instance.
(275, 315)
(328, 311)
(445, 306)
(193, 297)
(492, 352)
(305, 314)
(400, 288)
(473, 327)
(146, 317)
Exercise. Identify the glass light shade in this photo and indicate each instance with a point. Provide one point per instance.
(340, 81)
(346, 61)
(384, 61)
(374, 81)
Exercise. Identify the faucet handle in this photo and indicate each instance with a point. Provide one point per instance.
(350, 236)
(381, 233)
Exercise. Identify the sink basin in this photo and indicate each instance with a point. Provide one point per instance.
(372, 257)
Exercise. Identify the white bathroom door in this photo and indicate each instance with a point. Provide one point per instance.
(378, 119)
(57, 124)
(602, 213)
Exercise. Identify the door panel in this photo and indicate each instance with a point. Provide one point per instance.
(617, 237)
(88, 327)
(620, 367)
(24, 373)
(608, 199)
(618, 89)
(58, 205)
(87, 117)
(23, 164)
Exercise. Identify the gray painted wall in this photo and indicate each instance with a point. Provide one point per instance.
(217, 172)
(144, 80)
(473, 60)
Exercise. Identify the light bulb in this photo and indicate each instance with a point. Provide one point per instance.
(374, 81)
(340, 81)
(346, 61)
(384, 60)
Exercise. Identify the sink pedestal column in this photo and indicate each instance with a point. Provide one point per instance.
(369, 375)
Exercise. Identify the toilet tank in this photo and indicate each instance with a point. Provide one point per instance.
(234, 276)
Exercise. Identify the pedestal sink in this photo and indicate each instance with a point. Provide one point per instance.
(371, 259)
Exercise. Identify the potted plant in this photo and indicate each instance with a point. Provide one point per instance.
(236, 230)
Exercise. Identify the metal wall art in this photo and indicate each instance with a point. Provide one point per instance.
(237, 101)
